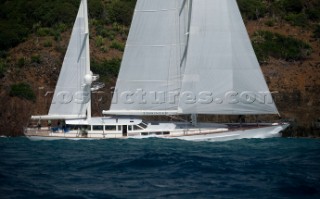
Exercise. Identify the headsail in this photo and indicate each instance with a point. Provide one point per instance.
(72, 94)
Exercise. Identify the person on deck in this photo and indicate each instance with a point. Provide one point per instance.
(49, 124)
(39, 125)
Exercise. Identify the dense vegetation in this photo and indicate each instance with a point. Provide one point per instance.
(316, 32)
(252, 9)
(22, 90)
(19, 18)
(2, 68)
(121, 11)
(49, 19)
(282, 47)
(295, 11)
(107, 68)
(303, 13)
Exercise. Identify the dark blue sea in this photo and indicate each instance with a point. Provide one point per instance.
(156, 168)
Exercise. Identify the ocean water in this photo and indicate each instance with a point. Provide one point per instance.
(156, 168)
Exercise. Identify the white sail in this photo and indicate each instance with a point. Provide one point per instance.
(222, 73)
(72, 94)
(150, 74)
(190, 57)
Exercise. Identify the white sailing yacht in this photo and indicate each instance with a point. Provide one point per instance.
(182, 57)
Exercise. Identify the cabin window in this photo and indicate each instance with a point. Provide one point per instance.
(111, 128)
(97, 127)
(166, 133)
(144, 134)
(73, 127)
(158, 133)
(129, 128)
(119, 128)
(76, 127)
(143, 125)
(135, 127)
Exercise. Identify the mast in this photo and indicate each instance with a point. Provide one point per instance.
(194, 119)
(87, 45)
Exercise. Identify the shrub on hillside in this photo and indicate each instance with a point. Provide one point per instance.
(11, 34)
(44, 31)
(291, 6)
(252, 9)
(96, 9)
(314, 13)
(278, 46)
(117, 45)
(316, 32)
(107, 68)
(35, 59)
(294, 11)
(2, 68)
(297, 19)
(270, 23)
(23, 91)
(47, 43)
(2, 71)
(121, 11)
(21, 62)
(99, 41)
(50, 14)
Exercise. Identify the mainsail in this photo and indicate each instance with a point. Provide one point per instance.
(72, 94)
(195, 57)
(150, 74)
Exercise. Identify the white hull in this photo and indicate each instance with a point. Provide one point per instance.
(266, 132)
(199, 134)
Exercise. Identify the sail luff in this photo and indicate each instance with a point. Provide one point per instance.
(185, 22)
